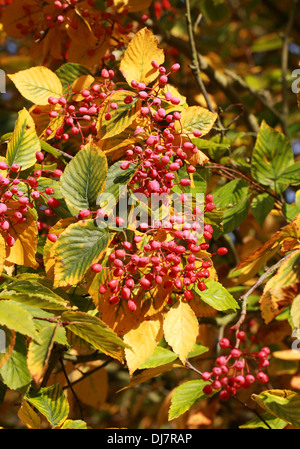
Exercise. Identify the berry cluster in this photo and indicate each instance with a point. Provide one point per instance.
(77, 112)
(167, 148)
(170, 254)
(233, 371)
(17, 196)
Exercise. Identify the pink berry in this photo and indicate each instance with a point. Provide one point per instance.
(224, 343)
(52, 237)
(84, 213)
(222, 251)
(132, 306)
(96, 267)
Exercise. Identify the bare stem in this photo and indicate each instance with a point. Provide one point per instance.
(261, 280)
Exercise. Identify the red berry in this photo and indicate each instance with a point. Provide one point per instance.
(224, 343)
(39, 156)
(207, 389)
(84, 213)
(52, 237)
(210, 206)
(131, 305)
(236, 353)
(222, 251)
(96, 267)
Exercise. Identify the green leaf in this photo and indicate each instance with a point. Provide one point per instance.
(160, 356)
(116, 184)
(186, 396)
(50, 402)
(84, 178)
(231, 193)
(272, 155)
(217, 296)
(76, 249)
(235, 215)
(74, 424)
(96, 332)
(14, 372)
(197, 349)
(17, 318)
(39, 353)
(34, 294)
(273, 421)
(285, 404)
(68, 73)
(268, 42)
(291, 175)
(261, 206)
(24, 142)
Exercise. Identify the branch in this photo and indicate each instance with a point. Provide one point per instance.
(216, 77)
(261, 280)
(195, 66)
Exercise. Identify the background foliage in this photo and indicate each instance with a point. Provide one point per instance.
(73, 358)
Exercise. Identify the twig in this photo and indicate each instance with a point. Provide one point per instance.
(88, 373)
(284, 65)
(195, 66)
(261, 280)
(252, 410)
(70, 385)
(258, 95)
(216, 77)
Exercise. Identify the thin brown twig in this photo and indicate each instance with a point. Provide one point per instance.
(261, 280)
(70, 385)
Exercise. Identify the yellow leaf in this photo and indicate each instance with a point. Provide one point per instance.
(29, 417)
(286, 354)
(181, 329)
(25, 235)
(288, 237)
(49, 248)
(40, 115)
(136, 62)
(82, 83)
(196, 118)
(37, 84)
(143, 339)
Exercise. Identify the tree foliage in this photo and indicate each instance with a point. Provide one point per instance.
(149, 214)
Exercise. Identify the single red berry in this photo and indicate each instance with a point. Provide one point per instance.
(222, 251)
(224, 343)
(207, 389)
(84, 213)
(132, 306)
(96, 267)
(52, 237)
